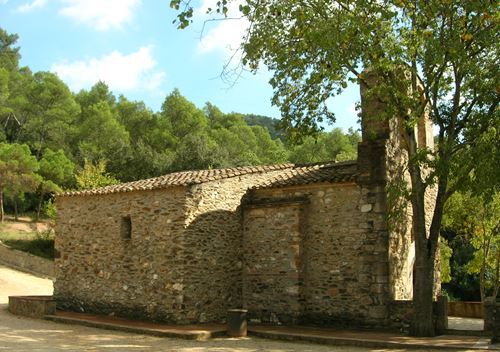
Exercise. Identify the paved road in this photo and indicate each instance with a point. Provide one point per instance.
(24, 334)
(14, 283)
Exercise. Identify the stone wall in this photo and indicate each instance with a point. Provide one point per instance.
(340, 265)
(383, 162)
(99, 270)
(273, 283)
(492, 318)
(213, 247)
(465, 309)
(399, 213)
(169, 255)
(26, 262)
(32, 306)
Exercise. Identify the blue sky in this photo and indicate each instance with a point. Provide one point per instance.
(133, 46)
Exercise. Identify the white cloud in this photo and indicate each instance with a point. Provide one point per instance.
(103, 14)
(224, 35)
(352, 110)
(30, 6)
(120, 72)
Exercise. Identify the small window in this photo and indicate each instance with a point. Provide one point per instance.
(126, 227)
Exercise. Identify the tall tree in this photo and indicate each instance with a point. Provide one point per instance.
(333, 145)
(13, 87)
(99, 92)
(151, 151)
(269, 151)
(475, 218)
(51, 110)
(101, 137)
(4, 92)
(9, 54)
(56, 171)
(94, 175)
(182, 116)
(17, 171)
(197, 151)
(433, 56)
(268, 123)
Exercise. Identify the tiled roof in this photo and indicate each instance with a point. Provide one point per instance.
(182, 178)
(291, 174)
(312, 173)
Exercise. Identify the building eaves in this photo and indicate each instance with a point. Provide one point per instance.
(182, 178)
(313, 173)
(291, 174)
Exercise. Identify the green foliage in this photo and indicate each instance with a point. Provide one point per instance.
(9, 55)
(269, 151)
(101, 136)
(197, 151)
(13, 85)
(56, 167)
(56, 171)
(50, 111)
(50, 210)
(333, 145)
(4, 91)
(268, 123)
(475, 218)
(94, 176)
(182, 116)
(37, 243)
(446, 253)
(98, 93)
(17, 171)
(463, 286)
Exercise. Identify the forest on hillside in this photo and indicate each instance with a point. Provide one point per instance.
(65, 140)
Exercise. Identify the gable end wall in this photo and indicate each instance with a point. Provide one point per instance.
(99, 271)
(343, 278)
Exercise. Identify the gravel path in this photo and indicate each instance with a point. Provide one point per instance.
(25, 334)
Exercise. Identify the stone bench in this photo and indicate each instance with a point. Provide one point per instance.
(32, 306)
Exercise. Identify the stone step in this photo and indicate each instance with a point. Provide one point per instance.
(184, 332)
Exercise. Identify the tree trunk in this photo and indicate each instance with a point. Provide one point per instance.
(39, 207)
(15, 209)
(497, 275)
(422, 324)
(482, 292)
(1, 205)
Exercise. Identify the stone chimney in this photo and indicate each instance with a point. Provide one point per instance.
(383, 138)
(375, 130)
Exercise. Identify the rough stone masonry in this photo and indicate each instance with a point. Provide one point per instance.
(291, 243)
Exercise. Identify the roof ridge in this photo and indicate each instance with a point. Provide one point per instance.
(326, 164)
(192, 177)
(181, 178)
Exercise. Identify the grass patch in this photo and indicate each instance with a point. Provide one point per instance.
(37, 243)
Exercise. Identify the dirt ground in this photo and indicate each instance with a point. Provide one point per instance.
(23, 224)
(14, 283)
(24, 334)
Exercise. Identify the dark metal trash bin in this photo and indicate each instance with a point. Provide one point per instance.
(237, 322)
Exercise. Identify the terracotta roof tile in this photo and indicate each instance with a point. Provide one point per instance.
(292, 174)
(311, 173)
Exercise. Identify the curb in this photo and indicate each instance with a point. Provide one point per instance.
(346, 341)
(198, 335)
(203, 335)
(479, 333)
